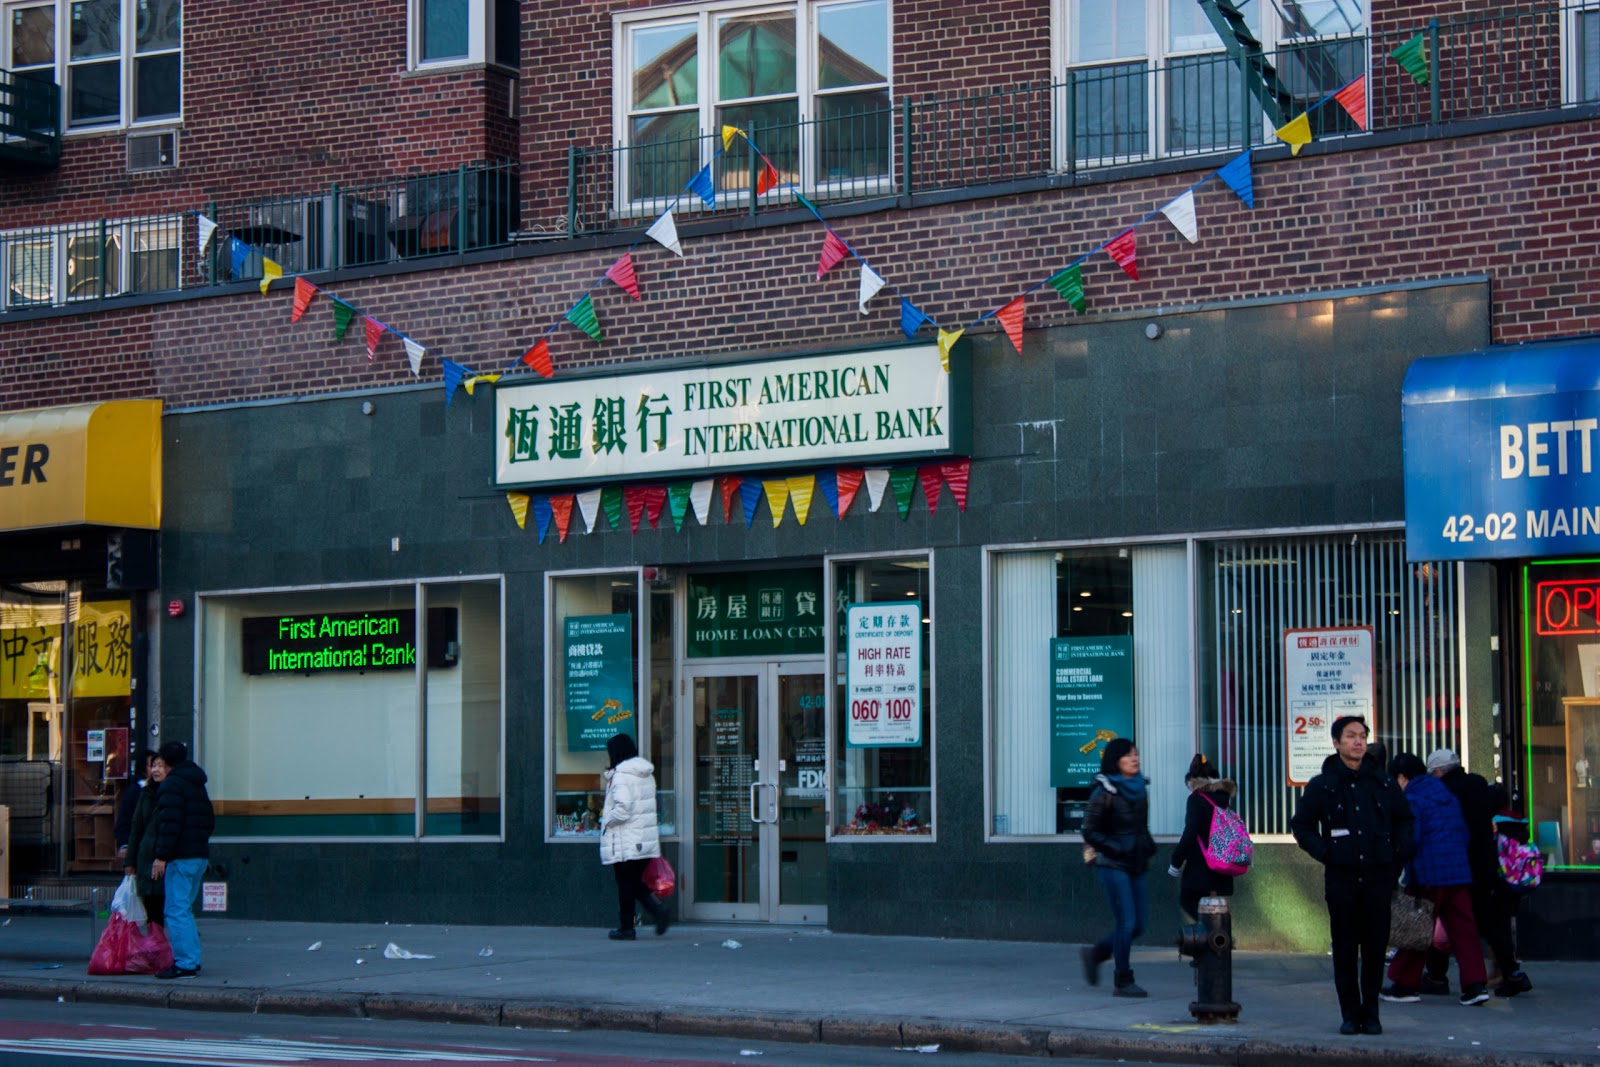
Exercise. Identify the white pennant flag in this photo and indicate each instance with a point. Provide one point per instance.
(415, 352)
(1181, 214)
(589, 505)
(700, 497)
(877, 481)
(665, 231)
(870, 284)
(207, 228)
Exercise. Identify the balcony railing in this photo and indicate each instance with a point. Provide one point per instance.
(30, 119)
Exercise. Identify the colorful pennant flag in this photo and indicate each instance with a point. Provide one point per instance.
(633, 496)
(749, 496)
(239, 256)
(270, 272)
(342, 315)
(848, 481)
(589, 508)
(207, 228)
(700, 499)
(1010, 317)
(903, 480)
(519, 508)
(538, 357)
(700, 185)
(611, 504)
(932, 477)
(1180, 212)
(1353, 98)
(678, 503)
(1413, 56)
(304, 293)
(947, 340)
(1296, 133)
(375, 332)
(801, 489)
(655, 496)
(621, 272)
(414, 353)
(833, 250)
(828, 482)
(768, 179)
(877, 479)
(561, 507)
(453, 373)
(871, 282)
(1121, 249)
(665, 233)
(469, 384)
(1069, 283)
(583, 317)
(777, 498)
(911, 319)
(730, 489)
(956, 472)
(541, 516)
(1236, 175)
(728, 134)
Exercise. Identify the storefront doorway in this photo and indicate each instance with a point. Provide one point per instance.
(758, 851)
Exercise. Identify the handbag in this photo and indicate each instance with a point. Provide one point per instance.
(1410, 921)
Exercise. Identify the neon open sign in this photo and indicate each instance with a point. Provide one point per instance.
(1571, 606)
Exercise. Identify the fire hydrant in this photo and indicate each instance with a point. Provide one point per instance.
(1209, 943)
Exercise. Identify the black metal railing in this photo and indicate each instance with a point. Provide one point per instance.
(30, 118)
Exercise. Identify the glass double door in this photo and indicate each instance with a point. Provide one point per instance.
(759, 846)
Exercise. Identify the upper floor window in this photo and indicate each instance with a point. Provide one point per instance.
(809, 82)
(119, 61)
(466, 31)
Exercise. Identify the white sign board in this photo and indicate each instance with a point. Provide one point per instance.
(877, 404)
(884, 681)
(213, 896)
(95, 746)
(1327, 673)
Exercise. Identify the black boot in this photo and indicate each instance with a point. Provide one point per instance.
(658, 911)
(622, 934)
(1125, 986)
(1093, 956)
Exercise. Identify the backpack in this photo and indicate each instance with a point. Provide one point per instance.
(1229, 849)
(1521, 866)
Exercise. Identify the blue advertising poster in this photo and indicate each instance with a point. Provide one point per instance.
(599, 677)
(1091, 702)
(1502, 453)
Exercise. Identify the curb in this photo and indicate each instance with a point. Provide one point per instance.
(797, 1028)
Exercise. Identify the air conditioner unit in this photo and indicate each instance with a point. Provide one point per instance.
(152, 151)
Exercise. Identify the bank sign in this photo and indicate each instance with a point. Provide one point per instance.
(1502, 453)
(878, 404)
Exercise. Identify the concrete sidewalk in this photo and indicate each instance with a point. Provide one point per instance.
(804, 984)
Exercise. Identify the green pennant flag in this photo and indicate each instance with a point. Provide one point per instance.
(583, 317)
(903, 480)
(1069, 283)
(808, 205)
(678, 501)
(342, 314)
(1413, 55)
(611, 501)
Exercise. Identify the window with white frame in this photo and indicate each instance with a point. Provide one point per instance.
(465, 31)
(119, 62)
(809, 83)
(90, 262)
(1142, 78)
(1583, 36)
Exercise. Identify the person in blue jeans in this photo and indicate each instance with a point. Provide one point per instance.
(1116, 825)
(184, 821)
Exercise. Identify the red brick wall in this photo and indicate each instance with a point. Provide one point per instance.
(1512, 205)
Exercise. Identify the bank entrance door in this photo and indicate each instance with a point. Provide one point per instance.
(760, 794)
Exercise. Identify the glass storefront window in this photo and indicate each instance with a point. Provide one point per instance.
(1561, 640)
(312, 716)
(883, 697)
(592, 671)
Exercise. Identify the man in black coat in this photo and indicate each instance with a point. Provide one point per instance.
(184, 822)
(1355, 822)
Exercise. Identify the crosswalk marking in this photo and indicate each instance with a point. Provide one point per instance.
(235, 1052)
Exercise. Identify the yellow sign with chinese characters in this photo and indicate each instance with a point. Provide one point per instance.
(30, 663)
(102, 656)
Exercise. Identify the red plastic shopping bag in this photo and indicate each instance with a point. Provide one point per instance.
(111, 954)
(659, 877)
(149, 953)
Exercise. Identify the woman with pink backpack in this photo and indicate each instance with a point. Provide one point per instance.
(1209, 793)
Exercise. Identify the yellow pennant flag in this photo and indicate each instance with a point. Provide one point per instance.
(777, 497)
(947, 339)
(269, 272)
(519, 508)
(728, 134)
(1296, 133)
(801, 487)
(468, 383)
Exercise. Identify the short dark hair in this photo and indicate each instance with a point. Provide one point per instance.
(1345, 720)
(173, 753)
(1408, 764)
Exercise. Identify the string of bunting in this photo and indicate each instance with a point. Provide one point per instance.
(839, 487)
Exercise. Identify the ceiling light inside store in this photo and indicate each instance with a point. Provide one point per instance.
(1085, 593)
(1127, 614)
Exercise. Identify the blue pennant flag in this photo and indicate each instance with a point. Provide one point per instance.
(241, 255)
(911, 319)
(453, 373)
(541, 515)
(828, 482)
(750, 496)
(1237, 175)
(700, 185)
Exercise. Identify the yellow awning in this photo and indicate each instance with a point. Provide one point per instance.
(98, 464)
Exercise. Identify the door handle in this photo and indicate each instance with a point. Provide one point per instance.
(754, 803)
(772, 812)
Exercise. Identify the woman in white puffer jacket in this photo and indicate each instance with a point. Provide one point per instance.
(629, 838)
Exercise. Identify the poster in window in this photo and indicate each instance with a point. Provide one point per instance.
(600, 681)
(1091, 702)
(884, 679)
(1327, 673)
(116, 753)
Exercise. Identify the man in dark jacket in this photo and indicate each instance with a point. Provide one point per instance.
(1356, 823)
(183, 845)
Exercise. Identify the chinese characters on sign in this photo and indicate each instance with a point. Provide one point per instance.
(755, 613)
(1091, 702)
(102, 655)
(884, 679)
(600, 681)
(1326, 674)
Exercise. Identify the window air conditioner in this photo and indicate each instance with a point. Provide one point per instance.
(152, 151)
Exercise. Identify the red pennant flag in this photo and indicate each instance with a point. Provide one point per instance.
(633, 496)
(304, 293)
(374, 334)
(956, 472)
(849, 484)
(730, 489)
(833, 250)
(1353, 98)
(1010, 317)
(654, 497)
(561, 506)
(932, 478)
(538, 357)
(621, 272)
(767, 179)
(1121, 249)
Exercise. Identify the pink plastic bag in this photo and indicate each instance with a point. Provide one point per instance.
(659, 877)
(148, 953)
(111, 954)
